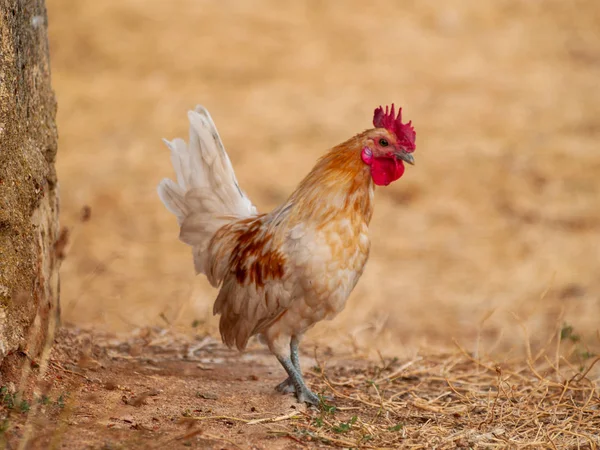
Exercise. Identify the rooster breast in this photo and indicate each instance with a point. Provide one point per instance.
(327, 262)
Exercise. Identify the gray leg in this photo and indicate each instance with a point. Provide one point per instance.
(287, 386)
(295, 357)
(303, 394)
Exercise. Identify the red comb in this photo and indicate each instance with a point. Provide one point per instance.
(405, 133)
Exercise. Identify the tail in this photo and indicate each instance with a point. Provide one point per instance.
(207, 194)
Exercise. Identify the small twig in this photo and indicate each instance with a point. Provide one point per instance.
(578, 377)
(292, 415)
(398, 371)
(64, 369)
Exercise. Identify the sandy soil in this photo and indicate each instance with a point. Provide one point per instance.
(146, 391)
(156, 389)
(491, 241)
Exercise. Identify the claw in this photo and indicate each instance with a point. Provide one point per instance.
(309, 397)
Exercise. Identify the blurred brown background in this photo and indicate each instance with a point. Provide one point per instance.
(496, 228)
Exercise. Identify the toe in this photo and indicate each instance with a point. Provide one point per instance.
(285, 387)
(309, 397)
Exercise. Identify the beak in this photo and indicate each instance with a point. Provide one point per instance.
(406, 157)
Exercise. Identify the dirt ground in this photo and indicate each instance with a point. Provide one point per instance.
(156, 389)
(481, 297)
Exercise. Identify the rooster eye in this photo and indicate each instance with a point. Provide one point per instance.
(383, 142)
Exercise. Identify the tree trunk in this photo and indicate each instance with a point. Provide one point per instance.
(28, 189)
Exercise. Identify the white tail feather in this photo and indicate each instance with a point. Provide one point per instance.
(207, 194)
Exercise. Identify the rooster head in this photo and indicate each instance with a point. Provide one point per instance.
(388, 146)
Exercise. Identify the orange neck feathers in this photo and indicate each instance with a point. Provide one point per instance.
(339, 184)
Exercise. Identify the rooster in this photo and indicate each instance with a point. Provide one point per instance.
(282, 272)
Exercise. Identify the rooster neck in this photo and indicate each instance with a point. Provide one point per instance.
(339, 186)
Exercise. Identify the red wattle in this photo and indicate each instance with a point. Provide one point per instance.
(386, 170)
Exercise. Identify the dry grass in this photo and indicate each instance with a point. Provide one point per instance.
(456, 401)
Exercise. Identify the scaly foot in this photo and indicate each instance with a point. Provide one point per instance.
(286, 386)
(307, 396)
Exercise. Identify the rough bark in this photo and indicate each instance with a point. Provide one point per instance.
(28, 190)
